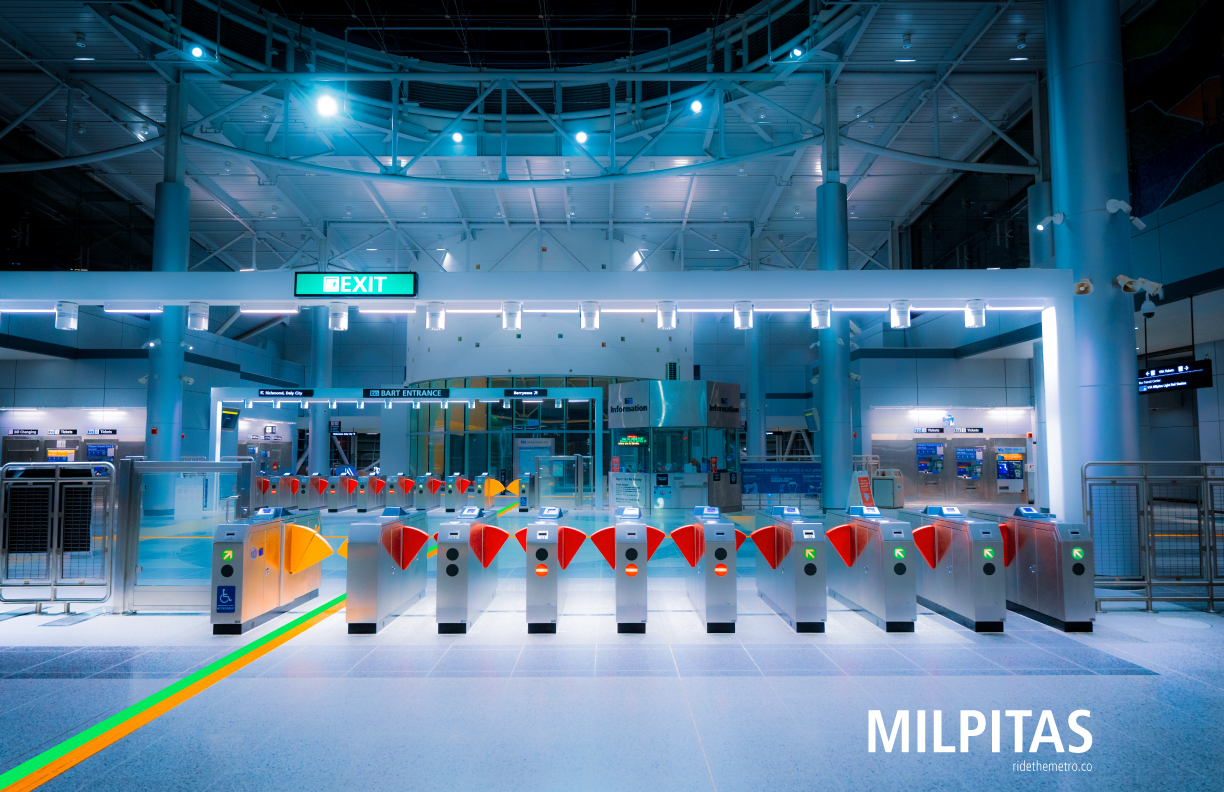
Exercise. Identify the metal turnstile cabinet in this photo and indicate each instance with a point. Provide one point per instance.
(962, 577)
(792, 557)
(386, 569)
(1049, 569)
(874, 573)
(467, 570)
(628, 547)
(550, 546)
(709, 546)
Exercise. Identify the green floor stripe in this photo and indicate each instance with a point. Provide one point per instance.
(51, 754)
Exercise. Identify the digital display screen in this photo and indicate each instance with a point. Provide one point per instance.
(1186, 375)
(229, 418)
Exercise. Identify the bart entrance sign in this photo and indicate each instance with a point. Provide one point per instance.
(321, 284)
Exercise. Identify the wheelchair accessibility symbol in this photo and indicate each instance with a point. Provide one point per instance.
(226, 596)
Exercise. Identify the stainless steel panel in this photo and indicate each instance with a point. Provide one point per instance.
(967, 583)
(712, 594)
(676, 403)
(881, 584)
(723, 405)
(545, 593)
(465, 586)
(795, 590)
(377, 589)
(629, 405)
(631, 590)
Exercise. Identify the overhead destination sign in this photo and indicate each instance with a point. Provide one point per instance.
(1181, 376)
(299, 393)
(322, 284)
(406, 393)
(518, 393)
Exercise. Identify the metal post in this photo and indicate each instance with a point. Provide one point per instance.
(504, 176)
(833, 391)
(611, 126)
(1040, 481)
(1089, 167)
(320, 377)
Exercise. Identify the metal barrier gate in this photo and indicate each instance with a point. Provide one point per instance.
(1156, 528)
(56, 531)
(168, 513)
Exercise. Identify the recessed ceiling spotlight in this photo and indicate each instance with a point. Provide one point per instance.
(905, 41)
(1021, 43)
(581, 137)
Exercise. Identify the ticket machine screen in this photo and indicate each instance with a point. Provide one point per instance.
(969, 462)
(930, 458)
(1010, 462)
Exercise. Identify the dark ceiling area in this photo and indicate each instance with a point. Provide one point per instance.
(501, 34)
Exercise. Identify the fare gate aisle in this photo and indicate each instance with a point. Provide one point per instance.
(764, 708)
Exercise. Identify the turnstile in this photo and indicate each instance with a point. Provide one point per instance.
(1049, 567)
(371, 493)
(454, 491)
(264, 566)
(962, 578)
(341, 493)
(289, 491)
(316, 493)
(550, 546)
(386, 568)
(264, 493)
(427, 492)
(711, 583)
(401, 492)
(627, 547)
(467, 568)
(475, 493)
(876, 578)
(792, 579)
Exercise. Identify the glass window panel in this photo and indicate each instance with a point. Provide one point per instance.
(526, 382)
(478, 382)
(455, 382)
(526, 414)
(578, 382)
(552, 382)
(478, 417)
(671, 450)
(501, 382)
(501, 417)
(551, 416)
(458, 415)
(578, 416)
(458, 455)
(179, 513)
(478, 454)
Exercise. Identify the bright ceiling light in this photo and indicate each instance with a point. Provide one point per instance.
(327, 106)
(907, 60)
(581, 137)
(197, 52)
(695, 106)
(82, 59)
(1021, 58)
(457, 137)
(796, 52)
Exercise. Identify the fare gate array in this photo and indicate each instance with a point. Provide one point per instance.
(1048, 569)
(57, 532)
(791, 580)
(711, 584)
(628, 547)
(264, 566)
(962, 578)
(877, 578)
(386, 568)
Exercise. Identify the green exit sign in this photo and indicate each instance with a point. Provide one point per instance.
(327, 284)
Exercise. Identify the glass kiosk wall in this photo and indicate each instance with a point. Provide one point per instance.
(673, 444)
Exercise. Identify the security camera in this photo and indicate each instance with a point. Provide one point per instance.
(1114, 205)
(1129, 285)
(1083, 286)
(1148, 309)
(855, 377)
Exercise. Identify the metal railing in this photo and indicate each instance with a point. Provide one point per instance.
(57, 531)
(1155, 528)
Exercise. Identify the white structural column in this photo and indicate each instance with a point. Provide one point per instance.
(833, 388)
(319, 453)
(164, 392)
(754, 367)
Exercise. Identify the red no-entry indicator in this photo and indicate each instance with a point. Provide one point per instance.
(541, 569)
(631, 570)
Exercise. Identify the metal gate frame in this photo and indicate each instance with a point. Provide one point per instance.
(127, 543)
(1145, 477)
(55, 581)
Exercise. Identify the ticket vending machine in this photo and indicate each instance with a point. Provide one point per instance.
(628, 546)
(709, 545)
(264, 566)
(1009, 466)
(875, 577)
(1049, 568)
(931, 484)
(550, 546)
(970, 479)
(961, 576)
(385, 573)
(792, 579)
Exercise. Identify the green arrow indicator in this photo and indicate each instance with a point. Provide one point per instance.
(898, 552)
(987, 553)
(1077, 552)
(809, 552)
(227, 555)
